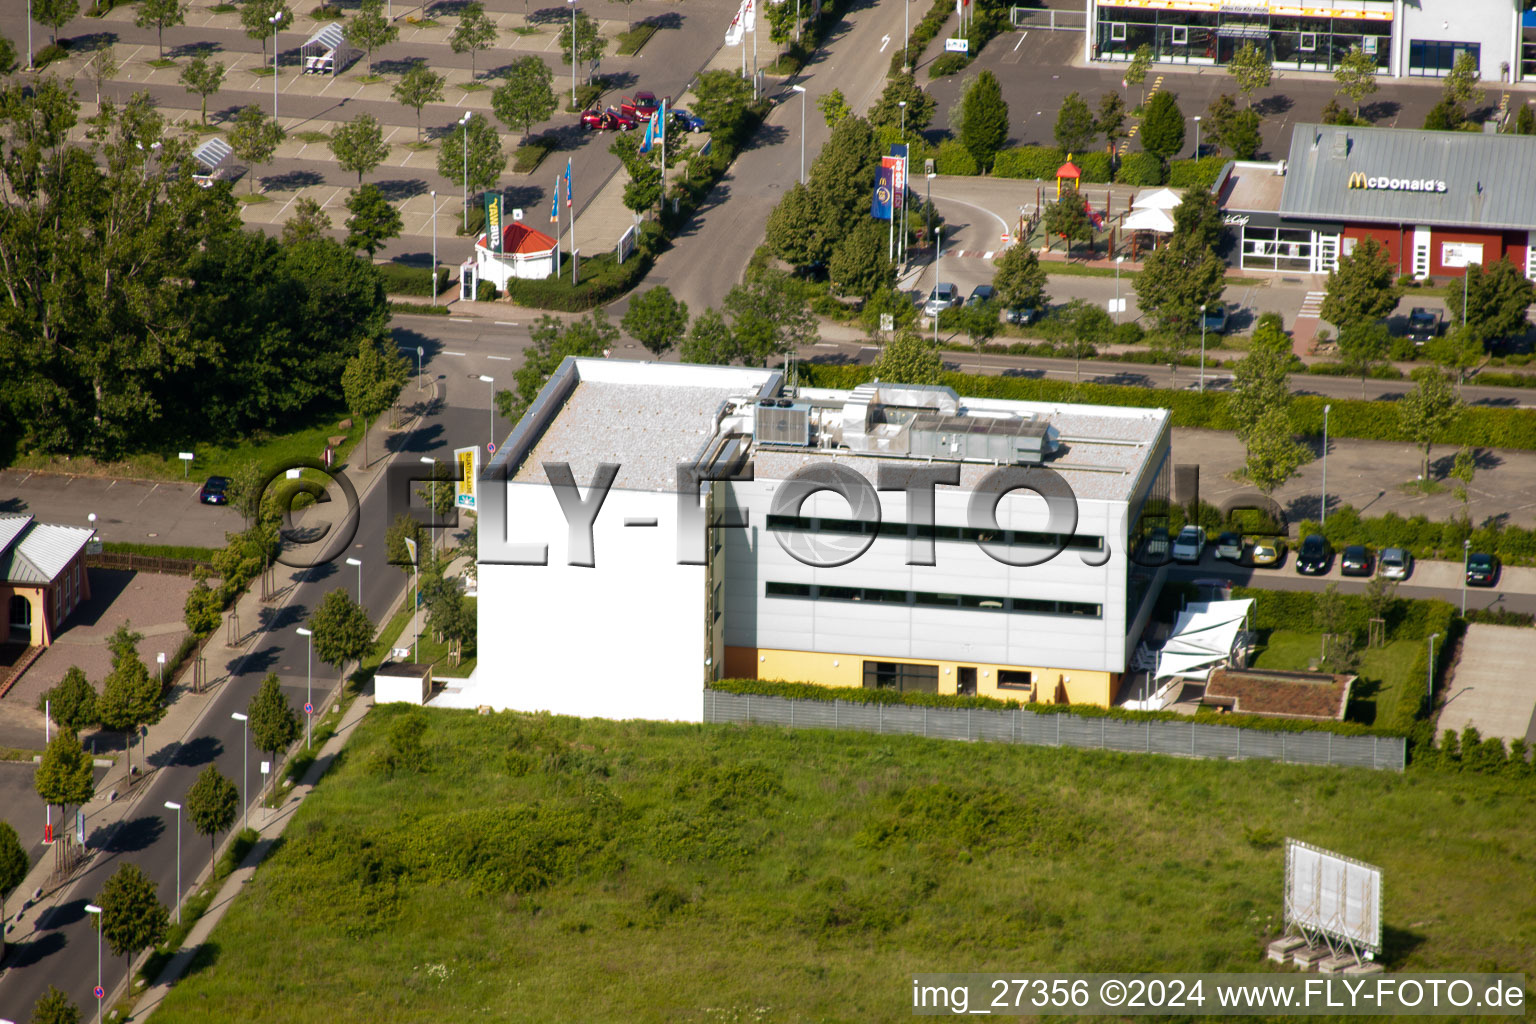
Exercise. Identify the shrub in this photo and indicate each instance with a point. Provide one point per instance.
(532, 153)
(47, 55)
(602, 279)
(485, 291)
(1200, 173)
(1096, 167)
(1140, 169)
(949, 64)
(402, 279)
(954, 158)
(1038, 162)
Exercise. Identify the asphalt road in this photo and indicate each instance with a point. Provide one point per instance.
(62, 953)
(1285, 577)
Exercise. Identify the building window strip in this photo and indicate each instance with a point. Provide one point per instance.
(864, 528)
(926, 599)
(901, 676)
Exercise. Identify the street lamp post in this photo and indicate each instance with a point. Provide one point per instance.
(276, 20)
(419, 350)
(429, 460)
(1322, 515)
(1202, 337)
(1464, 274)
(1119, 260)
(938, 251)
(1197, 136)
(29, 38)
(1466, 555)
(171, 805)
(434, 254)
(245, 766)
(906, 39)
(573, 54)
(91, 908)
(803, 101)
(491, 380)
(1429, 682)
(901, 246)
(358, 562)
(309, 683)
(464, 124)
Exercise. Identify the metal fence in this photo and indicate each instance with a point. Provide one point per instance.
(142, 563)
(1146, 736)
(1050, 19)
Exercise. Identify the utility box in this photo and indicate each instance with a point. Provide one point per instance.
(402, 682)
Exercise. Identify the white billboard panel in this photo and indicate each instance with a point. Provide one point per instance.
(1333, 894)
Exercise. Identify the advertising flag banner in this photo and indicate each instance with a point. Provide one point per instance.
(880, 206)
(898, 168)
(464, 488)
(493, 221)
(734, 33)
(554, 204)
(749, 18)
(650, 132)
(567, 183)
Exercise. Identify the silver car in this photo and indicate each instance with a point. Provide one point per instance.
(1394, 564)
(941, 298)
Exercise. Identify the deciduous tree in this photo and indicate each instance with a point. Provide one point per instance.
(1273, 454)
(984, 119)
(1067, 219)
(254, 136)
(1463, 469)
(486, 159)
(157, 14)
(843, 177)
(308, 222)
(274, 724)
(1162, 127)
(1428, 411)
(342, 630)
(657, 320)
(256, 17)
(418, 87)
(833, 106)
(1251, 69)
(358, 145)
(8, 59)
(1458, 350)
(1356, 75)
(887, 111)
(72, 703)
(104, 68)
(54, 1007)
(1363, 346)
(709, 340)
(801, 227)
(474, 32)
(589, 44)
(132, 917)
(769, 317)
(1260, 382)
(1525, 120)
(552, 341)
(1136, 71)
(203, 78)
(369, 29)
(1086, 323)
(1111, 118)
(909, 358)
(374, 219)
(1362, 287)
(1461, 83)
(371, 381)
(64, 776)
(861, 263)
(1075, 128)
(213, 804)
(1198, 217)
(130, 696)
(527, 96)
(55, 14)
(1020, 280)
(1498, 297)
(1176, 281)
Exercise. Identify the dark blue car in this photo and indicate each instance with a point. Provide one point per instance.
(687, 122)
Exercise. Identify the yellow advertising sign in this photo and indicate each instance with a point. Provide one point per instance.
(464, 493)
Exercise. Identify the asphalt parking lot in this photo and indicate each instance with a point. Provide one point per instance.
(136, 511)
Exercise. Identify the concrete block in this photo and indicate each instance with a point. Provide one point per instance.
(1281, 949)
(1308, 957)
(1368, 967)
(1336, 964)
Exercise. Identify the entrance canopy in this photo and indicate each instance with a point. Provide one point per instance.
(1202, 638)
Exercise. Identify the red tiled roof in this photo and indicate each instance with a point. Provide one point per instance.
(523, 241)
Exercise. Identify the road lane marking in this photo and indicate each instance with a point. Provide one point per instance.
(504, 359)
(884, 42)
(1020, 42)
(462, 319)
(506, 323)
(453, 353)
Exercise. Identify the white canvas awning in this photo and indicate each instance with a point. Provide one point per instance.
(1162, 199)
(1148, 219)
(1202, 637)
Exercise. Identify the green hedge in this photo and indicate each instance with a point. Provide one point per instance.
(949, 64)
(860, 695)
(160, 550)
(954, 158)
(601, 279)
(1352, 418)
(1038, 162)
(1200, 173)
(922, 34)
(1140, 169)
(1097, 168)
(1406, 619)
(402, 279)
(1426, 538)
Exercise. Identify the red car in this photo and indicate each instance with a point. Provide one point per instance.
(609, 120)
(642, 106)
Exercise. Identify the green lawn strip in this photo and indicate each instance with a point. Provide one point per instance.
(18, 754)
(629, 43)
(223, 459)
(196, 906)
(159, 550)
(1384, 671)
(532, 153)
(659, 872)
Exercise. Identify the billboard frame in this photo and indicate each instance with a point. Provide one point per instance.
(1317, 901)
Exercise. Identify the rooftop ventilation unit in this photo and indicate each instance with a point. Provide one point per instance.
(784, 422)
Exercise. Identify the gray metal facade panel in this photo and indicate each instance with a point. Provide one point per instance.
(1307, 747)
(1488, 177)
(1258, 745)
(1123, 735)
(1213, 741)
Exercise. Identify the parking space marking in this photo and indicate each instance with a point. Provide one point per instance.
(504, 359)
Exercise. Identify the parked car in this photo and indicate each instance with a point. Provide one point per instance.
(943, 296)
(1355, 561)
(1216, 318)
(981, 293)
(1157, 544)
(1267, 551)
(1395, 564)
(1313, 556)
(1424, 324)
(214, 491)
(1229, 547)
(1022, 315)
(609, 120)
(642, 105)
(684, 121)
(1482, 570)
(1189, 544)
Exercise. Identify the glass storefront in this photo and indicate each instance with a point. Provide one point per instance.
(1435, 57)
(1212, 37)
(1293, 249)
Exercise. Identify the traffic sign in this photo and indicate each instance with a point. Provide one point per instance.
(309, 708)
(1007, 239)
(48, 835)
(100, 992)
(490, 446)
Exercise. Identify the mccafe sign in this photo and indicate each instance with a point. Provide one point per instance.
(1359, 180)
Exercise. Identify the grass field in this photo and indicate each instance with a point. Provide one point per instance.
(549, 869)
(1383, 670)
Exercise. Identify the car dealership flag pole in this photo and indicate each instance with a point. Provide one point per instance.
(554, 218)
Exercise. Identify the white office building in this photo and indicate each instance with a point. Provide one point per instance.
(890, 535)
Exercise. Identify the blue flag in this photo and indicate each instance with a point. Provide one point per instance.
(650, 129)
(885, 194)
(554, 204)
(567, 183)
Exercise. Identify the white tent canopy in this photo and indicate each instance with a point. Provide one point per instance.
(1202, 637)
(1162, 199)
(1148, 219)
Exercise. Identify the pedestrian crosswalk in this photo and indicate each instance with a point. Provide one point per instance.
(1125, 143)
(1312, 305)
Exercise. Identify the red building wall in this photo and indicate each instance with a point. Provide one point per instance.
(1398, 241)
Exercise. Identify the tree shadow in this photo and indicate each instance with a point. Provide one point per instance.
(106, 586)
(63, 915)
(134, 835)
(198, 49)
(207, 956)
(422, 440)
(397, 190)
(395, 67)
(618, 80)
(96, 40)
(292, 181)
(12, 505)
(452, 8)
(198, 751)
(1496, 403)
(1381, 110)
(1269, 106)
(254, 663)
(25, 954)
(1124, 378)
(522, 195)
(1305, 506)
(550, 16)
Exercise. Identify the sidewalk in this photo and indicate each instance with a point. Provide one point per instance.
(115, 801)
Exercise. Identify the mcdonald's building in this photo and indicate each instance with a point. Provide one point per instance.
(1436, 201)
